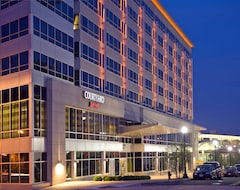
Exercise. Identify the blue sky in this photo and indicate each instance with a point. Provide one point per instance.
(213, 26)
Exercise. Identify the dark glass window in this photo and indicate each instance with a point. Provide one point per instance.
(23, 92)
(5, 96)
(36, 92)
(44, 93)
(5, 30)
(43, 30)
(51, 33)
(51, 66)
(37, 60)
(14, 94)
(23, 26)
(58, 37)
(14, 63)
(65, 69)
(5, 63)
(58, 66)
(14, 29)
(24, 58)
(36, 26)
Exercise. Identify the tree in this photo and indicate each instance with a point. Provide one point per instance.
(176, 158)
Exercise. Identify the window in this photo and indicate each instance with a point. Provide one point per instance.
(148, 48)
(14, 63)
(160, 41)
(132, 96)
(148, 29)
(160, 107)
(160, 57)
(160, 74)
(170, 96)
(132, 35)
(148, 84)
(14, 29)
(170, 65)
(113, 43)
(132, 55)
(53, 35)
(6, 3)
(132, 76)
(89, 27)
(170, 81)
(170, 50)
(132, 14)
(90, 81)
(148, 66)
(90, 54)
(93, 4)
(19, 164)
(160, 90)
(53, 67)
(112, 89)
(147, 102)
(113, 19)
(59, 7)
(113, 66)
(116, 2)
(149, 12)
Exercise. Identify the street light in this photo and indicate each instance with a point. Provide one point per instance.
(230, 148)
(184, 130)
(215, 143)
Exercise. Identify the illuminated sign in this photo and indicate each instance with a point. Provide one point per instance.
(93, 97)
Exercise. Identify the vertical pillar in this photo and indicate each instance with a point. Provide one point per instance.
(73, 164)
(103, 162)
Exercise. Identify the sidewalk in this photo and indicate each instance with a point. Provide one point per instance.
(78, 185)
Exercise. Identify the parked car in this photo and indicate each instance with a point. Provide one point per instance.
(205, 171)
(217, 166)
(230, 171)
(238, 168)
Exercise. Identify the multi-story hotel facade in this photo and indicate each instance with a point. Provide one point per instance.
(100, 87)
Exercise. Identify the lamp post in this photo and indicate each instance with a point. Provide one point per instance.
(215, 143)
(230, 148)
(184, 130)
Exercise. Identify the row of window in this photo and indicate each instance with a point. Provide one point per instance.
(14, 63)
(113, 19)
(14, 29)
(13, 94)
(91, 81)
(52, 34)
(133, 15)
(40, 97)
(113, 43)
(81, 124)
(14, 168)
(90, 28)
(14, 110)
(53, 67)
(59, 7)
(7, 3)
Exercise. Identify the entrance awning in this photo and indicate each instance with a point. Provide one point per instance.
(146, 130)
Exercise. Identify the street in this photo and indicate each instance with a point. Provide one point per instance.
(229, 183)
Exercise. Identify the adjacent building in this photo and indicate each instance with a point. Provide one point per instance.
(100, 87)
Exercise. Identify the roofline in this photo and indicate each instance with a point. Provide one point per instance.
(173, 24)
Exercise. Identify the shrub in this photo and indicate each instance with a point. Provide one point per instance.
(97, 178)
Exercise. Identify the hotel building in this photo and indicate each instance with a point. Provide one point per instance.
(100, 87)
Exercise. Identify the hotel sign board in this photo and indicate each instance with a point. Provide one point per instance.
(95, 99)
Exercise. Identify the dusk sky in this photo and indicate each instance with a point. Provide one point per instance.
(213, 26)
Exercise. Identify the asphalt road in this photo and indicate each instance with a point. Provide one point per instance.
(228, 183)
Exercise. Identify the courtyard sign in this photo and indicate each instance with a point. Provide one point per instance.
(93, 97)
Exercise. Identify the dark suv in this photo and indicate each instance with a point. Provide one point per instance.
(217, 166)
